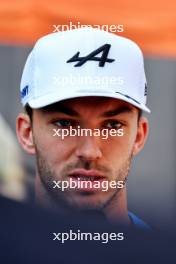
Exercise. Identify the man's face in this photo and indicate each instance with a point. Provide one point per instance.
(85, 157)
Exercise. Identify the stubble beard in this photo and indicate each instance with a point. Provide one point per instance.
(62, 200)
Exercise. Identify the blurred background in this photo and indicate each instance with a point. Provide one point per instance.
(152, 24)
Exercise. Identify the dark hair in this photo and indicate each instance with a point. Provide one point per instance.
(140, 113)
(28, 110)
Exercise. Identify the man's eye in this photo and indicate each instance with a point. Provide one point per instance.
(63, 123)
(113, 124)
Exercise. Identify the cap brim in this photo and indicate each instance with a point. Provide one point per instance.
(54, 98)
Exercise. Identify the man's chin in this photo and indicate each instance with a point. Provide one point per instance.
(87, 201)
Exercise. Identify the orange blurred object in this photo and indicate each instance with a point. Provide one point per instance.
(152, 24)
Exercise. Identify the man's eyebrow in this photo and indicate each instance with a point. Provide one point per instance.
(117, 111)
(62, 109)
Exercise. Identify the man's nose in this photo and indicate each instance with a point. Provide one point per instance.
(88, 148)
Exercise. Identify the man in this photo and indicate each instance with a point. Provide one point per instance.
(77, 80)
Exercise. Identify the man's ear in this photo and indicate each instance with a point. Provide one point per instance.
(24, 133)
(141, 135)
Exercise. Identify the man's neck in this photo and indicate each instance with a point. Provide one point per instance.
(116, 211)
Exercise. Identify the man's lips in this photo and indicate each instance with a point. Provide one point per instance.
(83, 174)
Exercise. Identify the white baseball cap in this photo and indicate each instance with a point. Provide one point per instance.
(83, 62)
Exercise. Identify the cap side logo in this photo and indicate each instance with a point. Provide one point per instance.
(145, 90)
(92, 57)
(24, 92)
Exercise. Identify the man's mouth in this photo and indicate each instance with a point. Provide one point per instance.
(83, 178)
(82, 175)
(86, 175)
